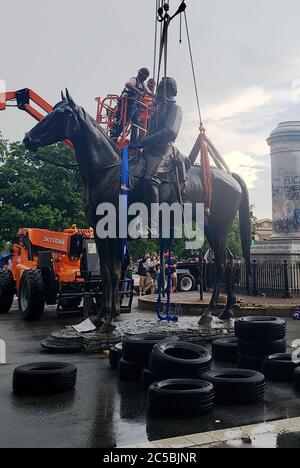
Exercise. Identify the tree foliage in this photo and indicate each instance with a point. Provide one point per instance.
(34, 193)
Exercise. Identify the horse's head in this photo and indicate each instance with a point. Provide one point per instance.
(59, 125)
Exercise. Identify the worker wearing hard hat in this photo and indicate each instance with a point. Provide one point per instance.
(133, 93)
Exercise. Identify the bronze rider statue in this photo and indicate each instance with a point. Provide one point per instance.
(164, 127)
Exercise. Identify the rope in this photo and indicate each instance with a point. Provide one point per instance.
(193, 68)
(155, 39)
(206, 168)
(180, 29)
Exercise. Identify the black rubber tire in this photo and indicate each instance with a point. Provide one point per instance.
(31, 285)
(115, 354)
(182, 279)
(260, 329)
(129, 371)
(171, 360)
(44, 378)
(252, 348)
(72, 303)
(250, 362)
(225, 350)
(237, 386)
(181, 398)
(148, 378)
(279, 368)
(137, 348)
(297, 379)
(7, 291)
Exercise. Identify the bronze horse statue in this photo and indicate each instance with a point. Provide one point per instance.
(99, 163)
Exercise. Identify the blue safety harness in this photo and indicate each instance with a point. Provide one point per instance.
(168, 317)
(124, 191)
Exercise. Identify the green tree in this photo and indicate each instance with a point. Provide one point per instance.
(35, 193)
(234, 238)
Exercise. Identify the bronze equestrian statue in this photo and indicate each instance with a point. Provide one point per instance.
(163, 130)
(99, 162)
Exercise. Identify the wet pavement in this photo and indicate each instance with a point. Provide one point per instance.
(103, 412)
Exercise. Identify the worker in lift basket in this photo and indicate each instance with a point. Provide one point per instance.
(134, 91)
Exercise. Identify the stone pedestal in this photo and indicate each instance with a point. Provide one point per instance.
(284, 243)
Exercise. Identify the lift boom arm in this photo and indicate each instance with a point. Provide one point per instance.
(23, 99)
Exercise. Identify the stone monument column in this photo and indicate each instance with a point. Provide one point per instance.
(285, 161)
(284, 243)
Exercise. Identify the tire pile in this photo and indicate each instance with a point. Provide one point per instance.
(260, 345)
(178, 378)
(258, 338)
(132, 356)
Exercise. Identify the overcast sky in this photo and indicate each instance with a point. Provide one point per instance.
(247, 58)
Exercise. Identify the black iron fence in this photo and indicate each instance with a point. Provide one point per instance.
(270, 279)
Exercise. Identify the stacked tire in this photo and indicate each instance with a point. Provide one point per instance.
(179, 359)
(225, 350)
(181, 398)
(131, 357)
(174, 377)
(173, 360)
(280, 368)
(237, 386)
(258, 338)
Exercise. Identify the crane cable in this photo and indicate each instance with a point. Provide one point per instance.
(155, 39)
(164, 18)
(193, 69)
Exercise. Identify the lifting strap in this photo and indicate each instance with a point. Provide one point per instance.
(124, 192)
(168, 316)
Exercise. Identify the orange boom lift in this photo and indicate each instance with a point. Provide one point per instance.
(29, 101)
(54, 268)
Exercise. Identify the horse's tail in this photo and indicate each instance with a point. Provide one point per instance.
(245, 226)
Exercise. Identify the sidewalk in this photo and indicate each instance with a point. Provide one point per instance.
(190, 304)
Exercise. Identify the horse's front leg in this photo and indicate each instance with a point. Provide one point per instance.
(115, 276)
(220, 262)
(227, 313)
(104, 311)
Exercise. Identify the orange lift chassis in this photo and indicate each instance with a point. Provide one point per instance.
(55, 268)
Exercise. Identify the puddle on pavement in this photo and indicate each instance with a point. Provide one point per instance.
(264, 436)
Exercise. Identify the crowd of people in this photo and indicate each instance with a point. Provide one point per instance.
(149, 269)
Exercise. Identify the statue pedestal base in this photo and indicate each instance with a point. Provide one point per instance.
(277, 250)
(187, 328)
